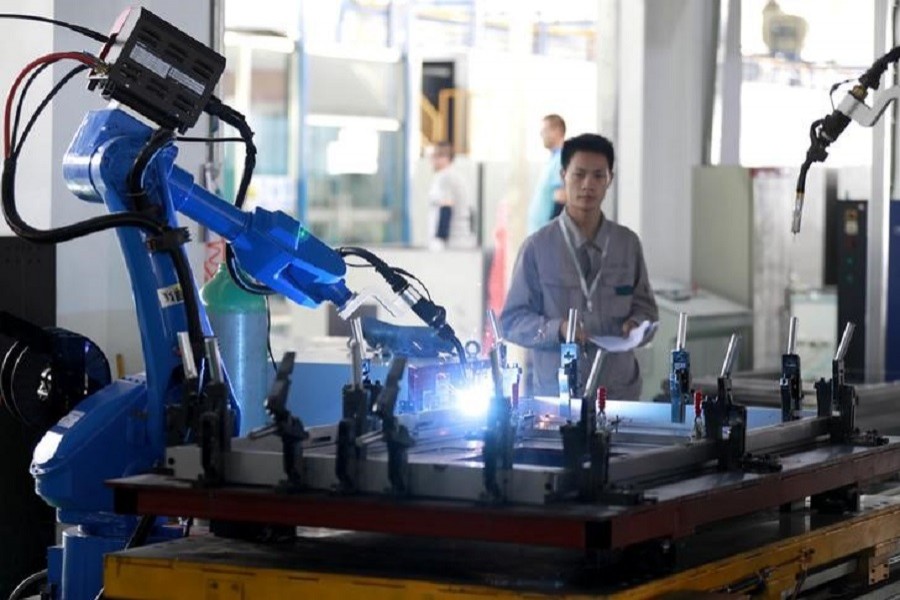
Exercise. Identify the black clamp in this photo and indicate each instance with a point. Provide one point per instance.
(836, 399)
(868, 439)
(358, 419)
(724, 420)
(169, 239)
(791, 381)
(395, 435)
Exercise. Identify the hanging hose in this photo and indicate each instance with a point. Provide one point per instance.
(430, 313)
(19, 592)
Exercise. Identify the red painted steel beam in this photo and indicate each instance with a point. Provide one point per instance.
(564, 525)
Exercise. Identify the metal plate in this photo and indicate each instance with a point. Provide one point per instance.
(679, 508)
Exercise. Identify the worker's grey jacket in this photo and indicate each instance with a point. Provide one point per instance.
(546, 283)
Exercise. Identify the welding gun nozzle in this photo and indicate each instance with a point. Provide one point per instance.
(798, 213)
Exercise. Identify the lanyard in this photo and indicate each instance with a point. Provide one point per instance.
(587, 291)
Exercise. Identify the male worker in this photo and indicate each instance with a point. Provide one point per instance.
(549, 196)
(585, 261)
(450, 222)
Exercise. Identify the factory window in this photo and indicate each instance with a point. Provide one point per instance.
(793, 52)
(256, 81)
(326, 87)
(328, 122)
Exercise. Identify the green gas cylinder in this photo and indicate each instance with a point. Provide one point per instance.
(240, 320)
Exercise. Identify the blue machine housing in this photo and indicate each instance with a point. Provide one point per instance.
(68, 476)
(121, 430)
(123, 427)
(678, 397)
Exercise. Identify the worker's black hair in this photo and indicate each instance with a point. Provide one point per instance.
(587, 142)
(445, 149)
(556, 122)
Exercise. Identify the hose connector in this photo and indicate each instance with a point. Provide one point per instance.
(798, 213)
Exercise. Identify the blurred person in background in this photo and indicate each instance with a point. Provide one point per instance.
(549, 196)
(451, 218)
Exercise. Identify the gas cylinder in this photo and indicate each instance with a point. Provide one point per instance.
(240, 320)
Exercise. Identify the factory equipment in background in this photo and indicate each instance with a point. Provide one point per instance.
(28, 273)
(849, 256)
(741, 252)
(892, 332)
(607, 480)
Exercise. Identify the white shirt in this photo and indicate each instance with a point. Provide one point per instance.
(447, 185)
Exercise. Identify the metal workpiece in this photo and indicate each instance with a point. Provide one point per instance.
(797, 214)
(496, 333)
(214, 360)
(681, 336)
(593, 382)
(572, 326)
(187, 355)
(730, 355)
(792, 336)
(446, 462)
(844, 344)
(357, 350)
(497, 375)
(498, 342)
(356, 332)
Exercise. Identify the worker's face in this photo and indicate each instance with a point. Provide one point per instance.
(586, 180)
(550, 135)
(439, 160)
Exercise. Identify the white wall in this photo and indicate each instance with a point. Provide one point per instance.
(775, 127)
(550, 85)
(628, 182)
(23, 41)
(93, 290)
(510, 94)
(679, 35)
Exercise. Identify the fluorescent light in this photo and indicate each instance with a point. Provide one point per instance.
(353, 121)
(273, 43)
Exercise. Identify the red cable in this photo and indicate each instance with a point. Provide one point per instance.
(48, 58)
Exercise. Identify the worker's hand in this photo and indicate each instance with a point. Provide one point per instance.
(581, 337)
(627, 326)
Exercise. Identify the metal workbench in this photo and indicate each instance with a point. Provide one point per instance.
(771, 554)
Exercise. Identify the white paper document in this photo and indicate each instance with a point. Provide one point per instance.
(638, 335)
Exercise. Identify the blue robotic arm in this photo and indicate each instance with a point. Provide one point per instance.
(124, 428)
(272, 247)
